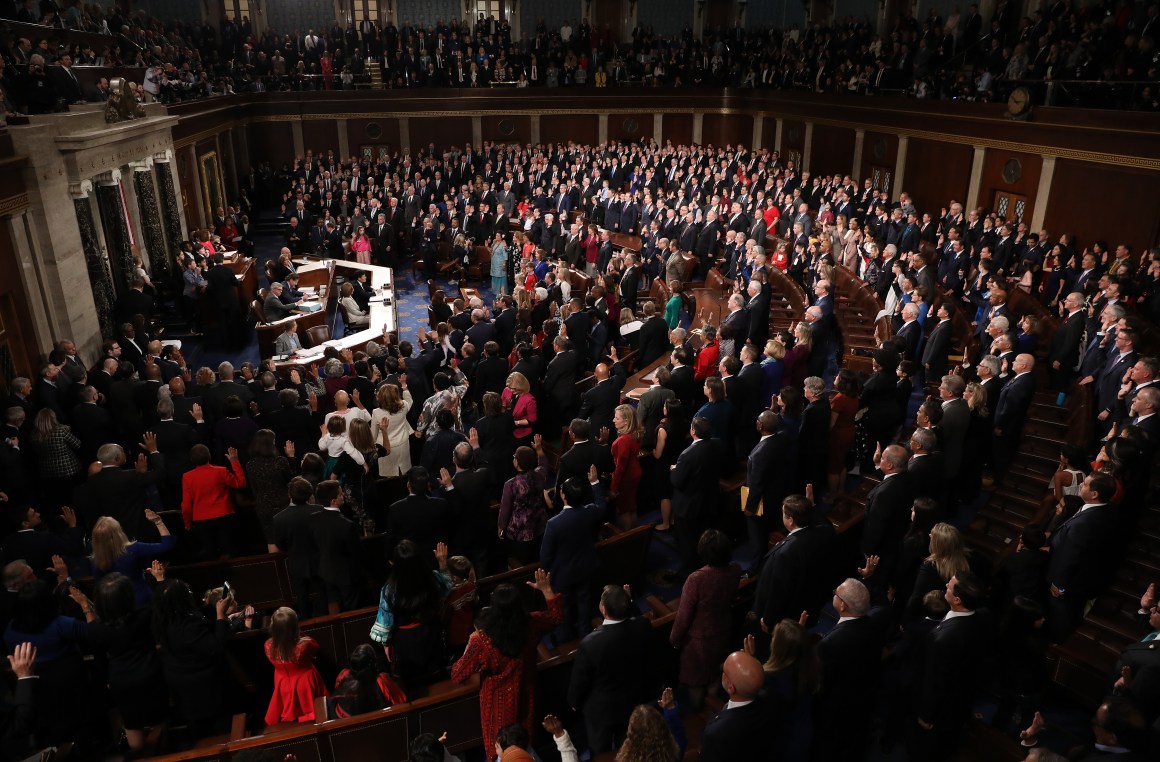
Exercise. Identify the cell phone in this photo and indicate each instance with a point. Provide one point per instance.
(227, 591)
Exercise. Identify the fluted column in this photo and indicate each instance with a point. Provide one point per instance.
(100, 279)
(167, 195)
(117, 237)
(151, 220)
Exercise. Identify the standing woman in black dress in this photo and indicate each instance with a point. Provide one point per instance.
(672, 437)
(493, 436)
(135, 680)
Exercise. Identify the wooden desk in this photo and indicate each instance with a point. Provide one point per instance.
(246, 272)
(320, 277)
(383, 316)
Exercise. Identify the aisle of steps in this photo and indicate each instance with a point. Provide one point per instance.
(372, 68)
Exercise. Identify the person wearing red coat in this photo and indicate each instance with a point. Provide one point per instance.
(710, 355)
(507, 666)
(701, 629)
(626, 465)
(206, 505)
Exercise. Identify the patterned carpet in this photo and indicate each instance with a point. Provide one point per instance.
(411, 299)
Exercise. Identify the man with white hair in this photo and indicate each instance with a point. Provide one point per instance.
(735, 326)
(1011, 412)
(911, 331)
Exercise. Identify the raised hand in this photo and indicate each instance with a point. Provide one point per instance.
(288, 448)
(593, 474)
(1124, 681)
(232, 454)
(473, 438)
(1148, 599)
(149, 442)
(668, 700)
(23, 660)
(553, 725)
(441, 553)
(59, 568)
(69, 516)
(749, 645)
(197, 413)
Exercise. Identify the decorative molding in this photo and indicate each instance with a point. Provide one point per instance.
(10, 205)
(163, 157)
(110, 178)
(80, 189)
(142, 165)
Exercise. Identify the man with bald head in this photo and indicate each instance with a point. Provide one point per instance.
(741, 729)
(1011, 411)
(851, 658)
(598, 403)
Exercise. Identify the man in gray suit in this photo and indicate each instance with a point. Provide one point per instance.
(273, 307)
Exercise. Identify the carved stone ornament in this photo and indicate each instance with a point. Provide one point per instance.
(122, 104)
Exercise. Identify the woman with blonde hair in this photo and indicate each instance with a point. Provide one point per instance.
(797, 357)
(772, 369)
(978, 440)
(948, 556)
(654, 736)
(114, 552)
(626, 464)
(392, 405)
(518, 400)
(296, 680)
(352, 315)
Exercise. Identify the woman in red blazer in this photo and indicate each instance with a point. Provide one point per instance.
(206, 504)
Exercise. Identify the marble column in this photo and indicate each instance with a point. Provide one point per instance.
(151, 220)
(167, 195)
(112, 211)
(100, 279)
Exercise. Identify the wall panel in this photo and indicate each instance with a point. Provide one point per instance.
(777, 13)
(630, 127)
(666, 17)
(551, 12)
(1009, 172)
(793, 138)
(879, 149)
(320, 135)
(678, 128)
(726, 129)
(287, 16)
(559, 128)
(372, 132)
(936, 172)
(832, 150)
(1123, 194)
(424, 13)
(443, 131)
(272, 142)
(507, 129)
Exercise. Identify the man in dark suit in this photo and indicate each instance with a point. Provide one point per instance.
(654, 336)
(568, 552)
(560, 383)
(1066, 341)
(294, 536)
(629, 281)
(598, 403)
(955, 422)
(222, 288)
(813, 442)
(578, 325)
(339, 551)
(796, 574)
(741, 729)
(954, 656)
(758, 308)
(36, 544)
(910, 332)
(505, 324)
(420, 518)
(291, 422)
(1109, 381)
(136, 302)
(584, 453)
(695, 490)
(1082, 556)
(938, 344)
(173, 442)
(887, 513)
(851, 657)
(1011, 412)
(92, 424)
(490, 373)
(925, 467)
(767, 479)
(121, 493)
(227, 386)
(1143, 415)
(610, 676)
(438, 448)
(475, 535)
(681, 378)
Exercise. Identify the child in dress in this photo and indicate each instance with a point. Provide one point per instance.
(296, 679)
(363, 687)
(460, 606)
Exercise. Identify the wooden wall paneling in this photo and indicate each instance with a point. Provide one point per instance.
(372, 132)
(832, 151)
(630, 128)
(1109, 212)
(443, 131)
(516, 128)
(879, 149)
(560, 128)
(935, 173)
(793, 140)
(18, 354)
(272, 142)
(727, 129)
(678, 128)
(320, 135)
(1010, 172)
(189, 185)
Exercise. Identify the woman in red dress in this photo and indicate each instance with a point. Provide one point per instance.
(296, 679)
(327, 70)
(626, 460)
(843, 408)
(502, 650)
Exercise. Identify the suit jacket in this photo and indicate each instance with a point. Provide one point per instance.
(926, 476)
(1081, 552)
(912, 333)
(767, 473)
(94, 427)
(121, 493)
(739, 733)
(759, 319)
(294, 536)
(338, 548)
(851, 657)
(934, 354)
(955, 422)
(654, 340)
(1014, 399)
(560, 379)
(684, 385)
(695, 479)
(610, 675)
(173, 442)
(598, 403)
(796, 574)
(1065, 342)
(426, 521)
(580, 457)
(887, 515)
(1109, 381)
(954, 656)
(568, 551)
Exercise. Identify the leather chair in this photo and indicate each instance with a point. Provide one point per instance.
(256, 311)
(316, 335)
